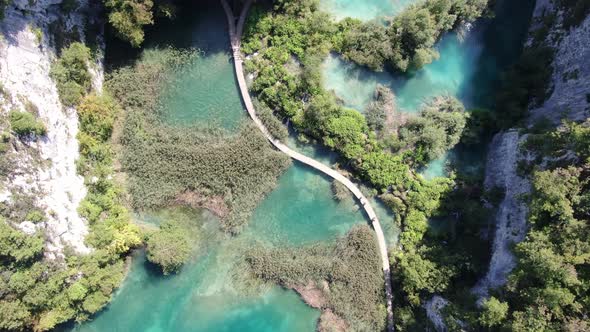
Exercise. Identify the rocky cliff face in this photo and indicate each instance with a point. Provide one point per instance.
(569, 98)
(570, 82)
(510, 219)
(26, 54)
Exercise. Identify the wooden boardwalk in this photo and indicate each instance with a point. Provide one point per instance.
(235, 38)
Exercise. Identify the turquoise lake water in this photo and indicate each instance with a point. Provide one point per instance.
(468, 68)
(204, 91)
(208, 294)
(450, 74)
(364, 10)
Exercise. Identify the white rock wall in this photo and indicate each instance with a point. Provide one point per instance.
(569, 99)
(571, 71)
(510, 219)
(24, 73)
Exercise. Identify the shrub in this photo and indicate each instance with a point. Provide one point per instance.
(24, 124)
(16, 247)
(4, 143)
(128, 17)
(170, 247)
(71, 74)
(36, 216)
(97, 116)
(494, 312)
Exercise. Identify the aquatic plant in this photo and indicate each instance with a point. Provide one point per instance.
(346, 274)
(165, 161)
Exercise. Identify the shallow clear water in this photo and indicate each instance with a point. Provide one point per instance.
(364, 10)
(450, 74)
(468, 69)
(204, 296)
(203, 91)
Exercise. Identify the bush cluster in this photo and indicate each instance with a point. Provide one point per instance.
(25, 124)
(71, 74)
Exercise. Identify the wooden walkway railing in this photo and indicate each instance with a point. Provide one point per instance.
(235, 38)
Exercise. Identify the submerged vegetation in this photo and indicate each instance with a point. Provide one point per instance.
(227, 173)
(345, 278)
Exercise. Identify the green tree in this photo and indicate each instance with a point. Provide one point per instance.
(438, 128)
(129, 17)
(17, 247)
(419, 275)
(494, 312)
(384, 170)
(14, 315)
(169, 247)
(348, 133)
(71, 74)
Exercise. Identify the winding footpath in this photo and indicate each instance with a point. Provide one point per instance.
(235, 38)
